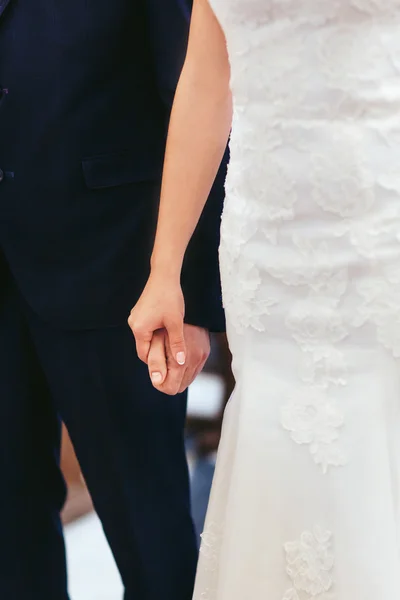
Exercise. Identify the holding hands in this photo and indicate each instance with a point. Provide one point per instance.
(174, 352)
(198, 133)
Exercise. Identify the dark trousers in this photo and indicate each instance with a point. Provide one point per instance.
(129, 441)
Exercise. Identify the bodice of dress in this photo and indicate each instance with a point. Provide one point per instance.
(313, 190)
(303, 56)
(310, 245)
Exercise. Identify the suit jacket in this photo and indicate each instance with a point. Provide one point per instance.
(86, 89)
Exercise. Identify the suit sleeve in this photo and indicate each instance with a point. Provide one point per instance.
(168, 22)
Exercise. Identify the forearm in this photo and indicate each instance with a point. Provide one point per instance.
(198, 134)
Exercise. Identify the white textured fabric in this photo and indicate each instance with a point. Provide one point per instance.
(305, 504)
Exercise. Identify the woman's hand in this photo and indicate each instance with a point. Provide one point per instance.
(161, 306)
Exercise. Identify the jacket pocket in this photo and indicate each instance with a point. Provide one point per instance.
(119, 168)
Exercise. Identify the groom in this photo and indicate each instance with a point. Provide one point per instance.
(85, 93)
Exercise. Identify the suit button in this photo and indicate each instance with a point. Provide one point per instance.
(1, 175)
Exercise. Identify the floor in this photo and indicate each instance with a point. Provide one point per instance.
(92, 571)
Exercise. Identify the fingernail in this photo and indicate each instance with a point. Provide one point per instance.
(156, 377)
(180, 358)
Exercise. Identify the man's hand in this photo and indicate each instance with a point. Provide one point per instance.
(166, 375)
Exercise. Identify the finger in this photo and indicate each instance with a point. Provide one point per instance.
(189, 377)
(187, 380)
(143, 348)
(193, 370)
(175, 374)
(143, 338)
(157, 360)
(173, 381)
(176, 339)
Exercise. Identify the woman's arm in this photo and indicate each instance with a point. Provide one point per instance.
(168, 25)
(198, 134)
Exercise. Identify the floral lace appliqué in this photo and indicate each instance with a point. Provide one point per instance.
(310, 563)
(313, 419)
(312, 414)
(244, 302)
(209, 548)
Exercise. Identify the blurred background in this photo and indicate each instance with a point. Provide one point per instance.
(92, 572)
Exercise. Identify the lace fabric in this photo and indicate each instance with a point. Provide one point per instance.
(310, 260)
(309, 565)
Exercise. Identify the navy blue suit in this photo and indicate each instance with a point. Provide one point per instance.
(85, 94)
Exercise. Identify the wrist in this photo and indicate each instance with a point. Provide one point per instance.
(165, 267)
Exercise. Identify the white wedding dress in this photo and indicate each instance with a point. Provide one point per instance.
(305, 504)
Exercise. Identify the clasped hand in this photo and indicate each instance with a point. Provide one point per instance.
(174, 352)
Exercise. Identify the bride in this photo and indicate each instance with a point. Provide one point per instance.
(305, 504)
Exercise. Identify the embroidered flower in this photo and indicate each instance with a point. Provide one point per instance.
(359, 49)
(243, 300)
(328, 368)
(316, 327)
(238, 225)
(311, 264)
(313, 419)
(341, 183)
(310, 563)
